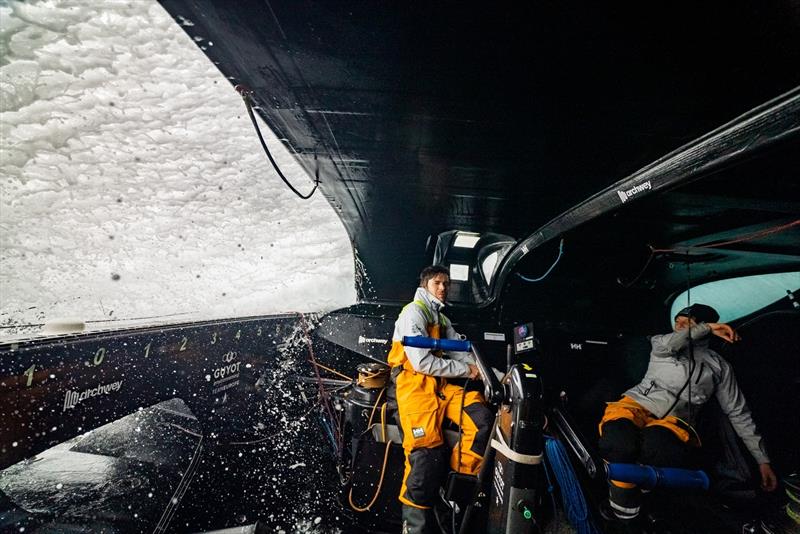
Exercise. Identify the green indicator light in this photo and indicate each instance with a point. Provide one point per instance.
(526, 513)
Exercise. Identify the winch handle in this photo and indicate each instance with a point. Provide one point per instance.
(493, 388)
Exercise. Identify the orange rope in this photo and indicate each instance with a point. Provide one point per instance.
(334, 371)
(383, 468)
(372, 413)
(380, 483)
(747, 237)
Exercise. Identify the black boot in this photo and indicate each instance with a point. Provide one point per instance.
(625, 502)
(419, 521)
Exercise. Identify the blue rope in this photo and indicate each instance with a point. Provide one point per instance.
(550, 488)
(560, 253)
(571, 493)
(328, 431)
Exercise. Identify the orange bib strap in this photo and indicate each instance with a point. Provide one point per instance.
(397, 354)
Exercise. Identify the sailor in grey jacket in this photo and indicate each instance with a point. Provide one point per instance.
(652, 422)
(665, 390)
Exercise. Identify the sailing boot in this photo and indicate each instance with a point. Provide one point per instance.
(625, 500)
(419, 521)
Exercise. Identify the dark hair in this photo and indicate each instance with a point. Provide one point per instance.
(701, 313)
(430, 272)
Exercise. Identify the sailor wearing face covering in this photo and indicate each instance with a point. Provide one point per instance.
(652, 423)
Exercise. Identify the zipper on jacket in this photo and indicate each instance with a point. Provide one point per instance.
(652, 385)
(700, 373)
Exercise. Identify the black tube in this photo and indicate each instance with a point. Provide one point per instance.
(486, 470)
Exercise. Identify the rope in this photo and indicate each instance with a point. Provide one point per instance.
(334, 371)
(186, 430)
(560, 253)
(746, 237)
(180, 491)
(383, 421)
(691, 430)
(328, 427)
(638, 276)
(383, 468)
(571, 494)
(323, 395)
(366, 508)
(247, 97)
(742, 239)
(692, 363)
(373, 380)
(550, 487)
(374, 406)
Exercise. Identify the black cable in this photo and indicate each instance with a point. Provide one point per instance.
(691, 341)
(460, 433)
(248, 104)
(553, 266)
(692, 363)
(460, 419)
(453, 521)
(641, 272)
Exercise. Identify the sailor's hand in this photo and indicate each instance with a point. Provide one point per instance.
(768, 479)
(473, 371)
(724, 331)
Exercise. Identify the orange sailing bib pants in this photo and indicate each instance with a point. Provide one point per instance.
(423, 401)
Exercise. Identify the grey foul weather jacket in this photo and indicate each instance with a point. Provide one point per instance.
(413, 321)
(712, 375)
